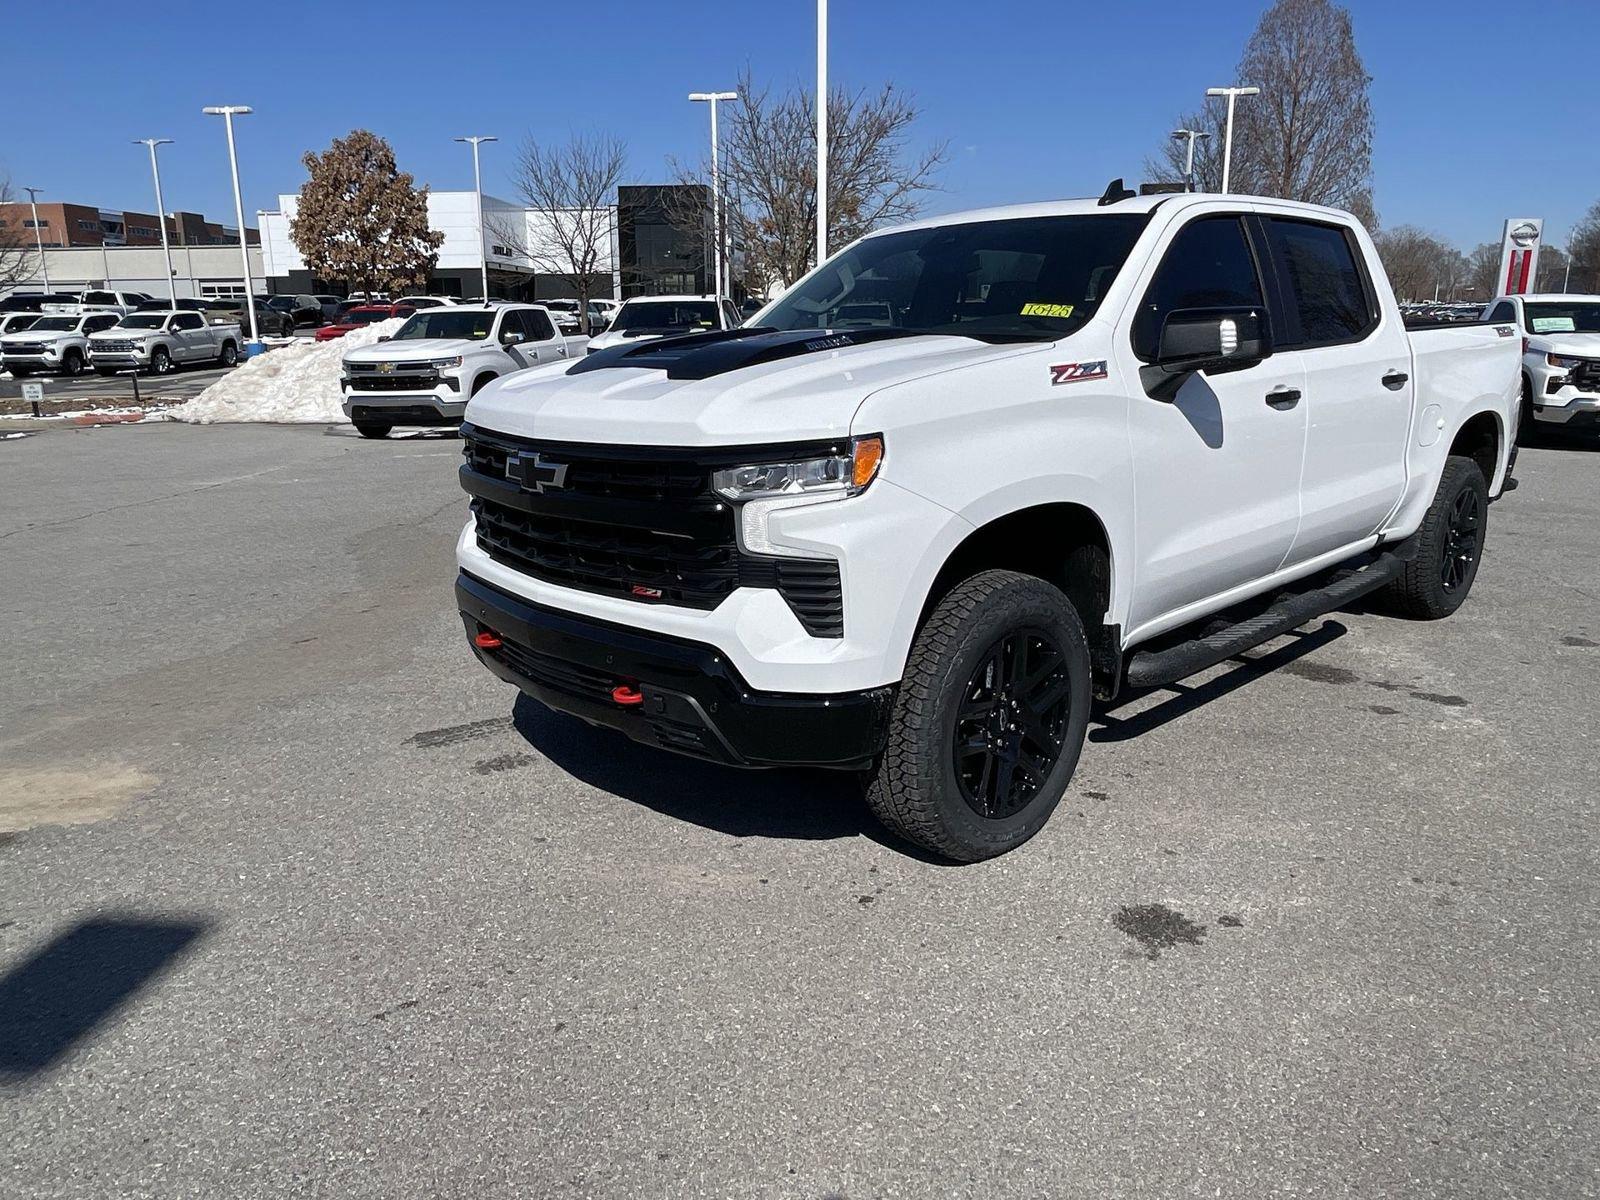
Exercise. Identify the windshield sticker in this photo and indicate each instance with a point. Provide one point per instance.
(1552, 324)
(1046, 310)
(1078, 372)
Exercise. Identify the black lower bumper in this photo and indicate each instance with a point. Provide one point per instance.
(679, 695)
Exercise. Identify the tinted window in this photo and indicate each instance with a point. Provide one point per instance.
(142, 321)
(1208, 265)
(1327, 297)
(467, 324)
(667, 316)
(95, 324)
(539, 326)
(187, 321)
(99, 297)
(1024, 279)
(1504, 311)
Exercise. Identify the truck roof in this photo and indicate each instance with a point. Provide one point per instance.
(1091, 206)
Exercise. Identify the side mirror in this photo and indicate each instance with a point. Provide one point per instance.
(1215, 340)
(384, 337)
(510, 338)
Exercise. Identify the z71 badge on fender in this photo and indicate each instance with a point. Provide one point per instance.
(1078, 372)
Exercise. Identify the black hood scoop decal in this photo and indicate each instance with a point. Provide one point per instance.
(703, 355)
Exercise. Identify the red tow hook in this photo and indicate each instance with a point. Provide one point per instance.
(627, 695)
(487, 640)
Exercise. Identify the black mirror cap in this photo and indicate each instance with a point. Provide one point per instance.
(384, 337)
(1214, 340)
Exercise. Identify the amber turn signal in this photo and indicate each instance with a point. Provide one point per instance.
(864, 465)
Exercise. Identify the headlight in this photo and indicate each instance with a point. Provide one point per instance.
(1561, 360)
(828, 476)
(445, 362)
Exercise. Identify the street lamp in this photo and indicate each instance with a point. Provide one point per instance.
(161, 212)
(1188, 158)
(711, 98)
(822, 130)
(228, 112)
(477, 188)
(38, 238)
(1232, 93)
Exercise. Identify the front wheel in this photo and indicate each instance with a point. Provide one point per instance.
(72, 363)
(160, 362)
(989, 720)
(1449, 546)
(372, 429)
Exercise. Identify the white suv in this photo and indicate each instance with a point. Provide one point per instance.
(1560, 355)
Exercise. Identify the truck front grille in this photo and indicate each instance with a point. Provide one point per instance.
(21, 348)
(394, 383)
(637, 522)
(1586, 378)
(110, 347)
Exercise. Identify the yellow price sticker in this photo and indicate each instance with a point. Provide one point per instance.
(1047, 310)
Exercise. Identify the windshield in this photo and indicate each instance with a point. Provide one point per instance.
(1026, 279)
(61, 323)
(365, 316)
(1562, 317)
(142, 321)
(446, 323)
(665, 316)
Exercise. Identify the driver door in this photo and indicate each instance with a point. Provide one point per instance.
(1217, 467)
(514, 338)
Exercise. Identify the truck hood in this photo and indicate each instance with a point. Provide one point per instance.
(36, 336)
(417, 350)
(118, 334)
(602, 340)
(727, 388)
(1578, 345)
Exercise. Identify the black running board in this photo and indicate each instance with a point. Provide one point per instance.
(1153, 668)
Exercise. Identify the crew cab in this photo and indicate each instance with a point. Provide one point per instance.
(441, 357)
(647, 317)
(161, 342)
(53, 343)
(120, 303)
(1560, 355)
(1067, 449)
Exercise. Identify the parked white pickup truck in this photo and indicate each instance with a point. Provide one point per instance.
(440, 357)
(53, 343)
(1560, 355)
(161, 342)
(647, 317)
(1087, 446)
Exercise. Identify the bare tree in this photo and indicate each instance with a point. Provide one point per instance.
(1419, 265)
(1308, 135)
(1584, 246)
(16, 247)
(571, 191)
(1483, 271)
(1552, 275)
(769, 173)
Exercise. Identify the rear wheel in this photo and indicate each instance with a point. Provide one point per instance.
(1449, 546)
(373, 429)
(989, 720)
(229, 355)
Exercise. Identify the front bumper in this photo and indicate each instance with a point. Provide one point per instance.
(401, 408)
(691, 698)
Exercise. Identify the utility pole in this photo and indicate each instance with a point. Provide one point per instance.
(1188, 158)
(712, 98)
(161, 212)
(477, 188)
(1232, 93)
(38, 238)
(822, 131)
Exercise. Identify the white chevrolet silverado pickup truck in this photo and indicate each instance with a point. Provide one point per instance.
(161, 342)
(441, 357)
(1086, 446)
(53, 343)
(1560, 356)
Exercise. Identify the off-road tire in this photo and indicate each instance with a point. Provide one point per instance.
(1420, 590)
(914, 788)
(373, 429)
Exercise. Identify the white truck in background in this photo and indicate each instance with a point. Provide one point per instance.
(1062, 449)
(56, 343)
(1560, 356)
(161, 342)
(426, 372)
(646, 317)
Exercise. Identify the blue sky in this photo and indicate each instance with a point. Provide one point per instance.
(1037, 100)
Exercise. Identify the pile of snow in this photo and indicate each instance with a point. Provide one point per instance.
(295, 383)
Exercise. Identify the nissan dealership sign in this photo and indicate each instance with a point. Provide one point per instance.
(1519, 254)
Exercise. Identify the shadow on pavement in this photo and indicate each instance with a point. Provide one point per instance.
(793, 804)
(69, 987)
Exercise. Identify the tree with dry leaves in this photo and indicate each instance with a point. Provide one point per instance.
(769, 173)
(1583, 244)
(361, 220)
(570, 191)
(1308, 135)
(1420, 266)
(16, 246)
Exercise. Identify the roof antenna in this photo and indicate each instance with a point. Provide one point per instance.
(1115, 192)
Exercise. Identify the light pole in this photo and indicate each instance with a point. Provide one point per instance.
(1232, 93)
(477, 188)
(822, 130)
(227, 112)
(38, 238)
(161, 212)
(1188, 158)
(711, 98)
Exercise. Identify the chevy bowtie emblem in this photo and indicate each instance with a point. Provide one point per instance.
(534, 473)
(385, 368)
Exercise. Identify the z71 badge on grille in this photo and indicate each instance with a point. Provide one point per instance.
(1078, 372)
(534, 473)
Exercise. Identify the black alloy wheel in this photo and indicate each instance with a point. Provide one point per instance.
(1463, 540)
(1010, 723)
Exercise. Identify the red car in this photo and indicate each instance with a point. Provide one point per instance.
(367, 314)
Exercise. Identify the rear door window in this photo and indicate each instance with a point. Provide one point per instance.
(1329, 299)
(1208, 265)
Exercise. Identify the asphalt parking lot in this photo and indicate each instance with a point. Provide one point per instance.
(184, 383)
(296, 899)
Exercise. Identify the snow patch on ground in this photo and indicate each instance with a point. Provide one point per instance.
(295, 383)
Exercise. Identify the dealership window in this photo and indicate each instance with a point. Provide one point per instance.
(91, 226)
(221, 291)
(36, 224)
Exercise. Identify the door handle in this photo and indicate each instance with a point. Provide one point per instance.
(1395, 380)
(1283, 397)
